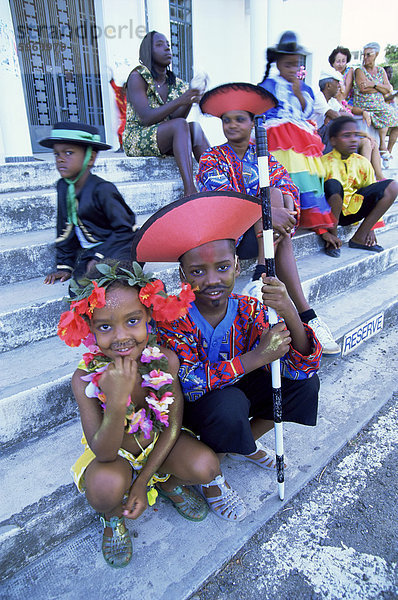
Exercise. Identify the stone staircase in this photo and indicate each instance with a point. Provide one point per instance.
(39, 426)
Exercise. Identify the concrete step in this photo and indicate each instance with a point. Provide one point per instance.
(29, 311)
(37, 209)
(41, 398)
(323, 280)
(28, 522)
(43, 512)
(18, 177)
(29, 254)
(306, 242)
(42, 174)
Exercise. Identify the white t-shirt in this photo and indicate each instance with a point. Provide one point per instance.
(321, 107)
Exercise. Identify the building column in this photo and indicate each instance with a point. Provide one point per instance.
(258, 38)
(13, 114)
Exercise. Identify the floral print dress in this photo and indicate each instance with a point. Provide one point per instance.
(139, 139)
(381, 113)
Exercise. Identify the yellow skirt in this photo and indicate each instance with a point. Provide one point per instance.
(136, 462)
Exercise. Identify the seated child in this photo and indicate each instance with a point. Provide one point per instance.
(234, 166)
(351, 189)
(130, 404)
(93, 220)
(224, 342)
(327, 108)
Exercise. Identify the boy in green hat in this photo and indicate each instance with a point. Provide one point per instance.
(93, 220)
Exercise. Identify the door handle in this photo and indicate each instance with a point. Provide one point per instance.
(62, 91)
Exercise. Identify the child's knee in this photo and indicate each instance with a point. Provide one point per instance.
(105, 487)
(206, 467)
(392, 190)
(181, 126)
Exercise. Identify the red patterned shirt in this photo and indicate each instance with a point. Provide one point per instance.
(221, 169)
(209, 358)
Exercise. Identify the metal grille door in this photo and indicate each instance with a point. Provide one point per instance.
(181, 37)
(58, 54)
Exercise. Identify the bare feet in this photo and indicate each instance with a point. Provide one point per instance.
(368, 240)
(331, 240)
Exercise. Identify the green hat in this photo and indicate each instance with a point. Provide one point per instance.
(76, 133)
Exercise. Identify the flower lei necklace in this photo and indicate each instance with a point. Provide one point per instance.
(152, 367)
(73, 329)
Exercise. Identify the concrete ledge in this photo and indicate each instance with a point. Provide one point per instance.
(322, 277)
(16, 177)
(23, 212)
(42, 398)
(29, 254)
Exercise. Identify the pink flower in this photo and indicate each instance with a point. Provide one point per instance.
(162, 417)
(146, 427)
(91, 343)
(141, 421)
(156, 379)
(160, 404)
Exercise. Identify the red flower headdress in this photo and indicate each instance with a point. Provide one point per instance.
(89, 294)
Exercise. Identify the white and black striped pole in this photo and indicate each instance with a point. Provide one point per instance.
(268, 241)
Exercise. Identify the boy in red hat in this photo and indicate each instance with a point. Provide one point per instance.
(93, 220)
(225, 344)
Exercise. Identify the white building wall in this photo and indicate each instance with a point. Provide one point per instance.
(317, 24)
(122, 27)
(14, 128)
(159, 16)
(221, 48)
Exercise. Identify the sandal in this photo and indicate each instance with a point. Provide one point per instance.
(267, 461)
(228, 505)
(191, 507)
(117, 550)
(331, 251)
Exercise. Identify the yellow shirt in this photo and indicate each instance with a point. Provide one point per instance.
(354, 173)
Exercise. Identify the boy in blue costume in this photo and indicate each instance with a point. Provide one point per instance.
(93, 220)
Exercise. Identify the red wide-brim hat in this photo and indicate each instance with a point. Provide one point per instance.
(237, 96)
(192, 222)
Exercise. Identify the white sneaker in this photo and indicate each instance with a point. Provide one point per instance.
(386, 157)
(253, 289)
(324, 336)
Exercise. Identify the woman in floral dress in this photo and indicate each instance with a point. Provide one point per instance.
(158, 103)
(371, 87)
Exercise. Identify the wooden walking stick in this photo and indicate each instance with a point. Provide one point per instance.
(268, 241)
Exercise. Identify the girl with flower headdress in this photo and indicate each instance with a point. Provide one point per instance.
(130, 404)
